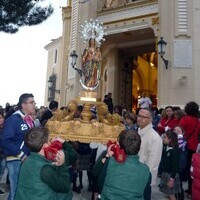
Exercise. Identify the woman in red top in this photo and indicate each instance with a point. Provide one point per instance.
(191, 125)
(167, 122)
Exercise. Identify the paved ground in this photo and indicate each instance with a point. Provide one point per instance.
(85, 195)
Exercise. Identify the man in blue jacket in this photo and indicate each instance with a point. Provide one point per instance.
(15, 128)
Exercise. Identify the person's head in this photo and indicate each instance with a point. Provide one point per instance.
(170, 138)
(178, 130)
(143, 94)
(1, 119)
(160, 110)
(34, 114)
(109, 95)
(130, 141)
(169, 111)
(144, 117)
(36, 138)
(42, 108)
(92, 42)
(192, 109)
(106, 96)
(130, 118)
(64, 108)
(7, 105)
(155, 111)
(78, 112)
(178, 114)
(53, 105)
(26, 103)
(118, 109)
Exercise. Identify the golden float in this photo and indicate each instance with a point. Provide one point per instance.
(85, 129)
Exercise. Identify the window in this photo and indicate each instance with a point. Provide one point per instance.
(55, 56)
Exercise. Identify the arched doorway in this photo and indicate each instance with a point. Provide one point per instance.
(132, 61)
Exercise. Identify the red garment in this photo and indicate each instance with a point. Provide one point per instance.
(196, 176)
(172, 122)
(189, 124)
(29, 120)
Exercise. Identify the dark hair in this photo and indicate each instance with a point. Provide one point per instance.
(130, 116)
(53, 105)
(130, 141)
(35, 138)
(175, 108)
(137, 111)
(169, 107)
(160, 110)
(192, 109)
(80, 108)
(63, 108)
(179, 113)
(155, 110)
(119, 108)
(91, 40)
(173, 138)
(23, 98)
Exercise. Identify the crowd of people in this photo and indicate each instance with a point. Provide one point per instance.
(155, 145)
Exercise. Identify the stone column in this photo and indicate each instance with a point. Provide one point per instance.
(66, 15)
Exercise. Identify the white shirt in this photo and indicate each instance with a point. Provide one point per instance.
(145, 102)
(150, 150)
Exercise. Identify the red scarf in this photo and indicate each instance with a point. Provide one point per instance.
(29, 120)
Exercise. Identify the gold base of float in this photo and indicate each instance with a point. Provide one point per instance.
(86, 129)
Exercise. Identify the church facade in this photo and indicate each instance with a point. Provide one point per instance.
(131, 64)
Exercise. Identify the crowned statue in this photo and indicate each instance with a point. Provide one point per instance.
(92, 34)
(91, 64)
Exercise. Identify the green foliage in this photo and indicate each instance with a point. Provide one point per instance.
(17, 13)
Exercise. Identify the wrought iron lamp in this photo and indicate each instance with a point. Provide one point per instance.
(74, 57)
(52, 87)
(161, 50)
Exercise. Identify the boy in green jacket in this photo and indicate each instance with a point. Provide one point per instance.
(41, 179)
(127, 180)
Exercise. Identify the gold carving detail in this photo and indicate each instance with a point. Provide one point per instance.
(107, 127)
(155, 20)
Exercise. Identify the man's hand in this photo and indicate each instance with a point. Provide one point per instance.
(60, 158)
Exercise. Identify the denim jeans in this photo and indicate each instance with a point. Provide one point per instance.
(13, 172)
(2, 167)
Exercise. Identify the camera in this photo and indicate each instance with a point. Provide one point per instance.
(52, 150)
(119, 153)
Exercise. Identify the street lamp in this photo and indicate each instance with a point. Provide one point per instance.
(52, 87)
(161, 50)
(74, 57)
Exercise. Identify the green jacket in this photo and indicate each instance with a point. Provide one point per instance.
(125, 181)
(40, 180)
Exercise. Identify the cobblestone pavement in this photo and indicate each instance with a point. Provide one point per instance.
(85, 195)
